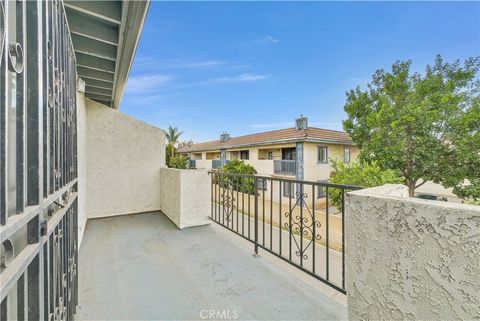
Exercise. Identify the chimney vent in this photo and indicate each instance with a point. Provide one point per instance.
(224, 136)
(301, 123)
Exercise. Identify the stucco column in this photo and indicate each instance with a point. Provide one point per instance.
(223, 157)
(299, 165)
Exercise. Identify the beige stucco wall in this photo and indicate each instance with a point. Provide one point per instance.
(185, 196)
(314, 171)
(411, 259)
(82, 164)
(124, 157)
(204, 163)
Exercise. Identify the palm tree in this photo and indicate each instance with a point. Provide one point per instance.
(173, 134)
(185, 143)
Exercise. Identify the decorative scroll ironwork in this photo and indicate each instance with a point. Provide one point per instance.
(228, 200)
(303, 225)
(38, 162)
(285, 217)
(15, 55)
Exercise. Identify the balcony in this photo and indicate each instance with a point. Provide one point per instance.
(216, 163)
(140, 267)
(285, 167)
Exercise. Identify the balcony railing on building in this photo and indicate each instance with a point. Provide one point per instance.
(284, 167)
(216, 163)
(288, 218)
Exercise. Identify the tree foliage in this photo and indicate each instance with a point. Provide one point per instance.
(358, 173)
(169, 153)
(173, 135)
(426, 127)
(178, 161)
(242, 184)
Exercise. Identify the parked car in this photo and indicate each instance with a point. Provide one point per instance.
(432, 197)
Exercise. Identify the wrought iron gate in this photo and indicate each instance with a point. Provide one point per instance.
(38, 163)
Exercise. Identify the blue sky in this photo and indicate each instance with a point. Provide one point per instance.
(246, 67)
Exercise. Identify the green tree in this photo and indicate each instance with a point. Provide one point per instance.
(178, 161)
(426, 127)
(358, 173)
(242, 184)
(169, 153)
(185, 143)
(173, 135)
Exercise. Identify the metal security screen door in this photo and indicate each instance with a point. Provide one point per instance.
(38, 163)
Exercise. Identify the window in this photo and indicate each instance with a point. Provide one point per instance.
(288, 189)
(322, 154)
(262, 184)
(322, 190)
(197, 156)
(244, 154)
(270, 155)
(289, 153)
(346, 155)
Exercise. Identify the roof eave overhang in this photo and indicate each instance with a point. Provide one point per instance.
(105, 36)
(273, 142)
(133, 19)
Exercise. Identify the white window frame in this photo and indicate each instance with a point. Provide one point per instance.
(319, 148)
(346, 159)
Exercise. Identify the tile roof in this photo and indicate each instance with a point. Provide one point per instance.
(273, 137)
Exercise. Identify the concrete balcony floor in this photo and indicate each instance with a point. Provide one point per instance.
(141, 267)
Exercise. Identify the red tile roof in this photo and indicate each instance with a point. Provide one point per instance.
(273, 137)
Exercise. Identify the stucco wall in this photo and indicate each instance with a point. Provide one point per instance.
(313, 170)
(411, 259)
(124, 156)
(82, 164)
(185, 196)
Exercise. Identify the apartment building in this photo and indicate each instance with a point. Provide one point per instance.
(300, 152)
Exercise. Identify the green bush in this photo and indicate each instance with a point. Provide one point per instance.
(178, 161)
(169, 152)
(241, 184)
(361, 174)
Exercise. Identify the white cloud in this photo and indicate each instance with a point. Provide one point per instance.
(270, 39)
(246, 77)
(150, 61)
(147, 83)
(201, 64)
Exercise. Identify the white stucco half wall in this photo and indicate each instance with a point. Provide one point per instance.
(124, 157)
(411, 259)
(185, 196)
(82, 164)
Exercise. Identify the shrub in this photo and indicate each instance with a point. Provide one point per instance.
(169, 152)
(242, 184)
(178, 161)
(361, 174)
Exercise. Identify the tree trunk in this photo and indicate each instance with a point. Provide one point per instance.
(411, 189)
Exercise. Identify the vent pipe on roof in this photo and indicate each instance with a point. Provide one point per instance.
(224, 136)
(301, 123)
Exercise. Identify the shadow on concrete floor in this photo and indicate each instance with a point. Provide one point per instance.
(141, 267)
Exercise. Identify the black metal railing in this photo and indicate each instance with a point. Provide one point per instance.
(38, 163)
(284, 167)
(298, 221)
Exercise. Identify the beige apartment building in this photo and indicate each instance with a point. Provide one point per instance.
(300, 152)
